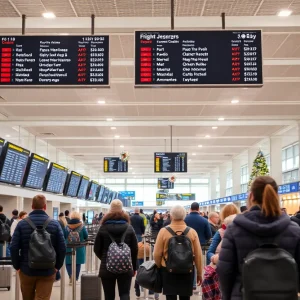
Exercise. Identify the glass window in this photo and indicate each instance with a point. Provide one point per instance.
(290, 157)
(150, 180)
(199, 180)
(229, 183)
(290, 176)
(183, 180)
(120, 180)
(244, 174)
(244, 188)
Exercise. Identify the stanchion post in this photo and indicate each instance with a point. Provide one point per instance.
(73, 273)
(63, 282)
(145, 259)
(87, 259)
(91, 258)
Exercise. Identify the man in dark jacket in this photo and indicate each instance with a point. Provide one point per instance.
(200, 224)
(36, 284)
(67, 216)
(213, 220)
(137, 222)
(15, 215)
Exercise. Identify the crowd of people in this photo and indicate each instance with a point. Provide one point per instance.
(230, 238)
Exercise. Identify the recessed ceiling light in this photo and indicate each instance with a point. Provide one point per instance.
(101, 102)
(207, 136)
(64, 33)
(121, 146)
(200, 146)
(113, 128)
(109, 119)
(215, 127)
(221, 119)
(7, 135)
(194, 154)
(49, 15)
(284, 13)
(130, 168)
(117, 136)
(235, 101)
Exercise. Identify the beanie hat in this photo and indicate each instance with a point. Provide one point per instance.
(116, 206)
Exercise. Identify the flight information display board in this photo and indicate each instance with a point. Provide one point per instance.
(73, 184)
(36, 172)
(54, 60)
(200, 58)
(13, 164)
(92, 190)
(114, 164)
(2, 141)
(83, 187)
(165, 184)
(170, 162)
(56, 179)
(100, 192)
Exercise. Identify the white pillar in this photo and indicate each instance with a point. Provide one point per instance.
(236, 176)
(212, 186)
(20, 203)
(276, 158)
(222, 173)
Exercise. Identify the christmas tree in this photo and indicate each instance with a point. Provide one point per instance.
(260, 168)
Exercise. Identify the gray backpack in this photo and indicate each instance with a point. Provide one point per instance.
(41, 254)
(118, 256)
(4, 231)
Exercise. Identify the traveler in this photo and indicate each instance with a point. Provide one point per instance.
(6, 221)
(15, 215)
(264, 221)
(156, 225)
(75, 232)
(36, 283)
(67, 213)
(213, 220)
(137, 223)
(22, 215)
(200, 224)
(115, 225)
(62, 221)
(175, 283)
(144, 217)
(167, 222)
(228, 210)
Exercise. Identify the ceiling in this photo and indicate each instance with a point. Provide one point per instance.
(143, 117)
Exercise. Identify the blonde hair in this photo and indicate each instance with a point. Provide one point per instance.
(75, 215)
(228, 210)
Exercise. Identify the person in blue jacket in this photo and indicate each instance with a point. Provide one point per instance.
(228, 210)
(75, 230)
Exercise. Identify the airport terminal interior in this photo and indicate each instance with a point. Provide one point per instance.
(153, 102)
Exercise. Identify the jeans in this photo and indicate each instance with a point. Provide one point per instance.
(69, 270)
(174, 297)
(124, 284)
(36, 287)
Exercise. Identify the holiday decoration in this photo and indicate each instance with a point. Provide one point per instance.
(172, 178)
(260, 168)
(124, 156)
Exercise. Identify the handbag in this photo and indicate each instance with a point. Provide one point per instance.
(210, 284)
(141, 247)
(149, 277)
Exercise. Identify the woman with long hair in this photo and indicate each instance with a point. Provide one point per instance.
(115, 226)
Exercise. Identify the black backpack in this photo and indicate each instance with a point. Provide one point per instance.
(270, 273)
(180, 253)
(4, 231)
(41, 254)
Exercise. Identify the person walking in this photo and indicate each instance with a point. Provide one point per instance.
(15, 215)
(36, 283)
(137, 223)
(115, 226)
(6, 221)
(156, 225)
(263, 221)
(75, 232)
(67, 213)
(177, 284)
(213, 220)
(62, 221)
(22, 215)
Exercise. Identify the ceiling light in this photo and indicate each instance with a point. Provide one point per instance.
(121, 146)
(101, 102)
(7, 135)
(64, 33)
(113, 128)
(215, 127)
(221, 119)
(207, 136)
(235, 101)
(117, 136)
(130, 168)
(109, 119)
(284, 13)
(49, 15)
(200, 146)
(133, 173)
(194, 154)
(189, 160)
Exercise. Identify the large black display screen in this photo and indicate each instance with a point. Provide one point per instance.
(56, 179)
(13, 164)
(227, 57)
(114, 164)
(170, 162)
(73, 184)
(92, 190)
(165, 184)
(54, 60)
(2, 141)
(101, 191)
(83, 187)
(36, 172)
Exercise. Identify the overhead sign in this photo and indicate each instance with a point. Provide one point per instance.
(54, 60)
(137, 203)
(170, 162)
(289, 188)
(174, 197)
(126, 195)
(114, 164)
(200, 58)
(165, 184)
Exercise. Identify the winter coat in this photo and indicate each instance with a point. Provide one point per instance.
(296, 219)
(240, 240)
(116, 229)
(155, 228)
(137, 222)
(83, 234)
(20, 244)
(201, 225)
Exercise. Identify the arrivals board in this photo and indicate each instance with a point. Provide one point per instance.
(36, 172)
(200, 58)
(165, 184)
(92, 190)
(73, 184)
(54, 60)
(2, 141)
(83, 187)
(114, 164)
(56, 179)
(170, 162)
(13, 164)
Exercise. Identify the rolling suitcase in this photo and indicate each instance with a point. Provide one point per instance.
(5, 273)
(90, 287)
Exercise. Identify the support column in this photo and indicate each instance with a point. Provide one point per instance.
(222, 173)
(212, 186)
(236, 176)
(276, 158)
(20, 203)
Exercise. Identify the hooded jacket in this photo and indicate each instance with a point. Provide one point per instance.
(296, 219)
(240, 240)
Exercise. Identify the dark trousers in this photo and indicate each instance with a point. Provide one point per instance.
(173, 297)
(69, 270)
(124, 284)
